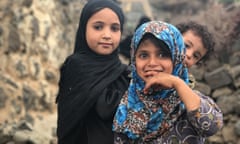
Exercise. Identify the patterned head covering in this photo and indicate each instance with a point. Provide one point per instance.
(147, 116)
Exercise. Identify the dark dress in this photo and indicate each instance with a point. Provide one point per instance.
(90, 87)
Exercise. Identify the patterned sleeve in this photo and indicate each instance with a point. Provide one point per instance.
(208, 118)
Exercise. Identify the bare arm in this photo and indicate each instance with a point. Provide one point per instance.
(164, 80)
(202, 112)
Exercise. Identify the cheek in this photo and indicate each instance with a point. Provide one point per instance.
(118, 38)
(139, 68)
(88, 37)
(169, 67)
(192, 62)
(89, 42)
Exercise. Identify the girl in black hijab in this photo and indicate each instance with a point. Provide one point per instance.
(91, 83)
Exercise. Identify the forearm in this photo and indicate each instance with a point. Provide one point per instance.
(187, 95)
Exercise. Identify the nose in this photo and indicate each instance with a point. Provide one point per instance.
(188, 59)
(189, 55)
(107, 34)
(152, 62)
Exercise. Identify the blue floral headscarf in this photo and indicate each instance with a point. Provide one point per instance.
(142, 116)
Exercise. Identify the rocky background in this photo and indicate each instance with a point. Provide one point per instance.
(37, 35)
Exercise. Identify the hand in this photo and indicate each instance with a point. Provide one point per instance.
(167, 81)
(160, 81)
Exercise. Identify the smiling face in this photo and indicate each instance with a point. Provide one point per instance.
(151, 59)
(103, 32)
(195, 50)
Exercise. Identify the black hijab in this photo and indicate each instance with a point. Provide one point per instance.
(85, 74)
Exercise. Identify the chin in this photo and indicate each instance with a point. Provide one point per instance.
(105, 52)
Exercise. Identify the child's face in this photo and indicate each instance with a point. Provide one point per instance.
(103, 31)
(150, 60)
(195, 49)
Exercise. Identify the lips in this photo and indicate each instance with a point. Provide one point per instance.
(150, 73)
(155, 70)
(106, 44)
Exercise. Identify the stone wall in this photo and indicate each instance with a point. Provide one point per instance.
(35, 38)
(222, 83)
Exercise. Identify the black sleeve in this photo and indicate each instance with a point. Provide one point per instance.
(110, 98)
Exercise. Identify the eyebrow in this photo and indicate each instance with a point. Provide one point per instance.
(101, 22)
(141, 50)
(96, 22)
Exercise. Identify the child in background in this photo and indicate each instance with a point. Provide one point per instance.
(159, 106)
(199, 44)
(92, 79)
(198, 40)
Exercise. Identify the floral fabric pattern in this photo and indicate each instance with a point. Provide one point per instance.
(141, 116)
(191, 127)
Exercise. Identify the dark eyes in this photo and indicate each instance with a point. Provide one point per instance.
(196, 55)
(186, 45)
(145, 55)
(142, 55)
(98, 27)
(114, 28)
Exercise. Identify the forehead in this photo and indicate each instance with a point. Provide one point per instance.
(106, 15)
(195, 40)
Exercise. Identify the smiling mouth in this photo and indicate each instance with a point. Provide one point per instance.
(149, 76)
(151, 73)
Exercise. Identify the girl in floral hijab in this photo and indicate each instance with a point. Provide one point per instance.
(149, 115)
(159, 106)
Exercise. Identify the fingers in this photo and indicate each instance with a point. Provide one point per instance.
(150, 86)
(145, 90)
